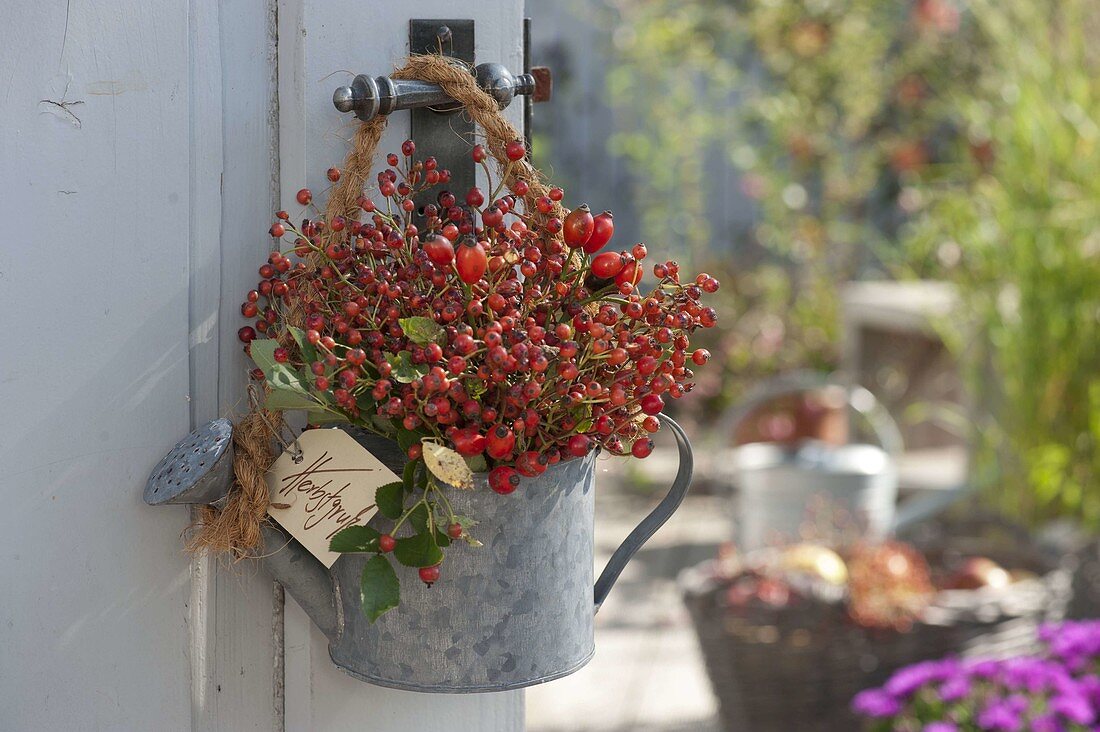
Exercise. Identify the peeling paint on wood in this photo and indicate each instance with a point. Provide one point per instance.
(95, 637)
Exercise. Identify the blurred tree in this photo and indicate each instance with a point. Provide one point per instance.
(835, 111)
(921, 139)
(1024, 239)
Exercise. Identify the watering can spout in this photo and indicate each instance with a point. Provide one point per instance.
(199, 471)
(301, 575)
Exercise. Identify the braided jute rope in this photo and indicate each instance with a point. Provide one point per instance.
(234, 529)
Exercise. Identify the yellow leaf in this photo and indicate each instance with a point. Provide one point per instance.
(447, 465)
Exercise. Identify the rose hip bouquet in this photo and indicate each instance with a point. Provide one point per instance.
(484, 332)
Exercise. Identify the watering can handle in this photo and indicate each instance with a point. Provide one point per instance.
(858, 398)
(882, 424)
(656, 518)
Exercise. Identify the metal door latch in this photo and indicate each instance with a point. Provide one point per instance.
(449, 137)
(369, 97)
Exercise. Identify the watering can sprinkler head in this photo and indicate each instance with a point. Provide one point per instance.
(199, 471)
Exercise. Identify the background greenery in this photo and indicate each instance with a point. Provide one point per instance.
(1028, 235)
(880, 138)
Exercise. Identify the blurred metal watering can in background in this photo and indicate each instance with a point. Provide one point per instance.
(779, 482)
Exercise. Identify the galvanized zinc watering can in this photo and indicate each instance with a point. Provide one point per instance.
(516, 612)
(777, 482)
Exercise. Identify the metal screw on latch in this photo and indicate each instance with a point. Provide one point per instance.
(444, 35)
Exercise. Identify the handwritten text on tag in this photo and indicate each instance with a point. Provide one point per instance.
(330, 488)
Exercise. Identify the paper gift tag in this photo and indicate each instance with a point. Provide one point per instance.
(330, 488)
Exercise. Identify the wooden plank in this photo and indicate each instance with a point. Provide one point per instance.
(94, 376)
(235, 607)
(319, 44)
(320, 697)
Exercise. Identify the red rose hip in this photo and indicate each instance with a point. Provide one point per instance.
(515, 150)
(440, 250)
(471, 261)
(603, 227)
(579, 445)
(578, 226)
(652, 404)
(504, 480)
(429, 575)
(500, 442)
(607, 264)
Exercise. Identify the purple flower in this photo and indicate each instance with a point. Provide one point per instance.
(1047, 723)
(907, 680)
(997, 716)
(985, 668)
(1076, 644)
(955, 688)
(1074, 707)
(1051, 693)
(1017, 703)
(875, 703)
(1031, 674)
(1090, 687)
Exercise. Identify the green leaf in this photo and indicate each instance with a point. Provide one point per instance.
(367, 405)
(309, 352)
(418, 519)
(326, 416)
(419, 550)
(289, 390)
(279, 375)
(477, 464)
(390, 499)
(408, 473)
(407, 438)
(284, 377)
(421, 330)
(404, 370)
(379, 589)
(465, 522)
(354, 539)
(475, 388)
(262, 352)
(283, 399)
(383, 425)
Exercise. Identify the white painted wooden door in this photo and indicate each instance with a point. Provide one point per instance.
(143, 146)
